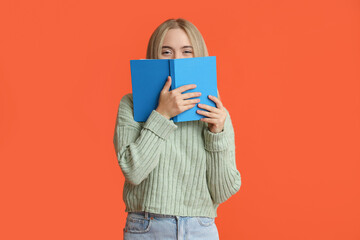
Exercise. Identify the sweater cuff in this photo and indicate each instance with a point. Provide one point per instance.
(159, 124)
(215, 142)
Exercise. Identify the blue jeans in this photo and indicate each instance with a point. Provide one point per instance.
(144, 225)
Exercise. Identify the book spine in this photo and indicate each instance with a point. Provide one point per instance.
(172, 74)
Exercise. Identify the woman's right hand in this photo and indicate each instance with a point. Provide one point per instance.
(172, 103)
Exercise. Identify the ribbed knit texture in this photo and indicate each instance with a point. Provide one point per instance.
(174, 168)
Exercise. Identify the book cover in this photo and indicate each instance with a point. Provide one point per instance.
(148, 77)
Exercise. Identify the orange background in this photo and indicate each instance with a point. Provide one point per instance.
(288, 72)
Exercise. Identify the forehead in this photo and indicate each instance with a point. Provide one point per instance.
(176, 38)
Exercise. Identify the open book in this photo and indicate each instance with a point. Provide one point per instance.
(148, 77)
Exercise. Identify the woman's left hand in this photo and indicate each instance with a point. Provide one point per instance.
(216, 115)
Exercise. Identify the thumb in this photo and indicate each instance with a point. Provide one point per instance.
(167, 84)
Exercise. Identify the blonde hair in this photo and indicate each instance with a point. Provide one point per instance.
(157, 38)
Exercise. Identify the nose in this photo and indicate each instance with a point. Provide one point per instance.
(177, 54)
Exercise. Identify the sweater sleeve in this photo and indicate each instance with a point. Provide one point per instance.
(138, 145)
(223, 178)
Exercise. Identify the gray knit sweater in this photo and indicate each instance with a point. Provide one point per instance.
(174, 168)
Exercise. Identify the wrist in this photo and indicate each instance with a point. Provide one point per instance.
(162, 113)
(214, 130)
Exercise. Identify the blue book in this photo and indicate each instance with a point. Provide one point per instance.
(148, 77)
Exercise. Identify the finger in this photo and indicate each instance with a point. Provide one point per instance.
(191, 95)
(167, 85)
(209, 120)
(208, 114)
(216, 100)
(185, 88)
(191, 101)
(209, 108)
(187, 107)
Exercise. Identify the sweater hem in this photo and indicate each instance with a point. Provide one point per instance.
(173, 213)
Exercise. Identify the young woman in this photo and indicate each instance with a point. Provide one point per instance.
(176, 174)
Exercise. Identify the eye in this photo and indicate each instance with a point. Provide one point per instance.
(188, 51)
(166, 52)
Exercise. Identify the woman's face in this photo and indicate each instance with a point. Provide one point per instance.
(176, 45)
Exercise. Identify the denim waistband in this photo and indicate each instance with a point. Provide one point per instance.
(148, 214)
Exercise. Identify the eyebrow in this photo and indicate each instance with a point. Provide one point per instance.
(182, 47)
